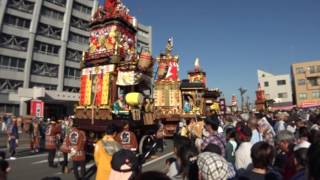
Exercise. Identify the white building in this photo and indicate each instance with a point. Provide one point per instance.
(41, 44)
(276, 87)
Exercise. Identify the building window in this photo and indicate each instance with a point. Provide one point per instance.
(303, 96)
(44, 69)
(45, 86)
(81, 8)
(79, 23)
(71, 89)
(16, 21)
(46, 48)
(13, 42)
(51, 13)
(266, 84)
(8, 85)
(312, 69)
(301, 82)
(313, 81)
(281, 82)
(71, 73)
(21, 5)
(316, 94)
(143, 34)
(267, 96)
(49, 31)
(300, 70)
(10, 108)
(74, 55)
(78, 38)
(282, 95)
(11, 63)
(142, 45)
(58, 2)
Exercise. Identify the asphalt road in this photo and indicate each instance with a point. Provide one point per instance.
(35, 166)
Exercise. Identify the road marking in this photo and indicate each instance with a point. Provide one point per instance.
(31, 156)
(157, 159)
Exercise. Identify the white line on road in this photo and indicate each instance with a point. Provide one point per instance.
(157, 159)
(45, 161)
(32, 156)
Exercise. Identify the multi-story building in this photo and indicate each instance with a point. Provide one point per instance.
(41, 46)
(306, 83)
(276, 88)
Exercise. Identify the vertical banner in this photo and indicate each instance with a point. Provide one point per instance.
(105, 89)
(88, 90)
(37, 107)
(222, 103)
(98, 88)
(83, 85)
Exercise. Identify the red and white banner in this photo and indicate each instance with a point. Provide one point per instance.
(36, 108)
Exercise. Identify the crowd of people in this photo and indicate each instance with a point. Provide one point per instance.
(273, 145)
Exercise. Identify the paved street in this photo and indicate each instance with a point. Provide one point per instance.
(35, 166)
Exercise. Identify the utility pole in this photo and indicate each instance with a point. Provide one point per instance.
(242, 92)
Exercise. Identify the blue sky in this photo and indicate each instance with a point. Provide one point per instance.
(234, 38)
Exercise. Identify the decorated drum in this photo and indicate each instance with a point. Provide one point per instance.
(134, 99)
(145, 61)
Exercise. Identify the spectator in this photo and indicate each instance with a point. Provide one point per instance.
(266, 130)
(4, 169)
(300, 162)
(2, 155)
(315, 123)
(231, 145)
(178, 143)
(242, 155)
(169, 169)
(262, 155)
(212, 166)
(124, 165)
(216, 149)
(51, 178)
(212, 125)
(256, 135)
(104, 149)
(314, 136)
(313, 162)
(302, 139)
(284, 162)
(160, 134)
(154, 175)
(4, 123)
(280, 124)
(13, 137)
(187, 160)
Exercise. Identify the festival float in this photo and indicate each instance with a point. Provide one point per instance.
(118, 83)
(260, 99)
(115, 78)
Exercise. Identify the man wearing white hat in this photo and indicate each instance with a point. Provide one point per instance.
(280, 124)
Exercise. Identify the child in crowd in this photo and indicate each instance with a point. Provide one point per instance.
(231, 145)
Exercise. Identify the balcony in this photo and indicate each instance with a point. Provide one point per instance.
(312, 74)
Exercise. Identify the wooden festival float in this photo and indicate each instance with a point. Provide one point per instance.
(117, 81)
